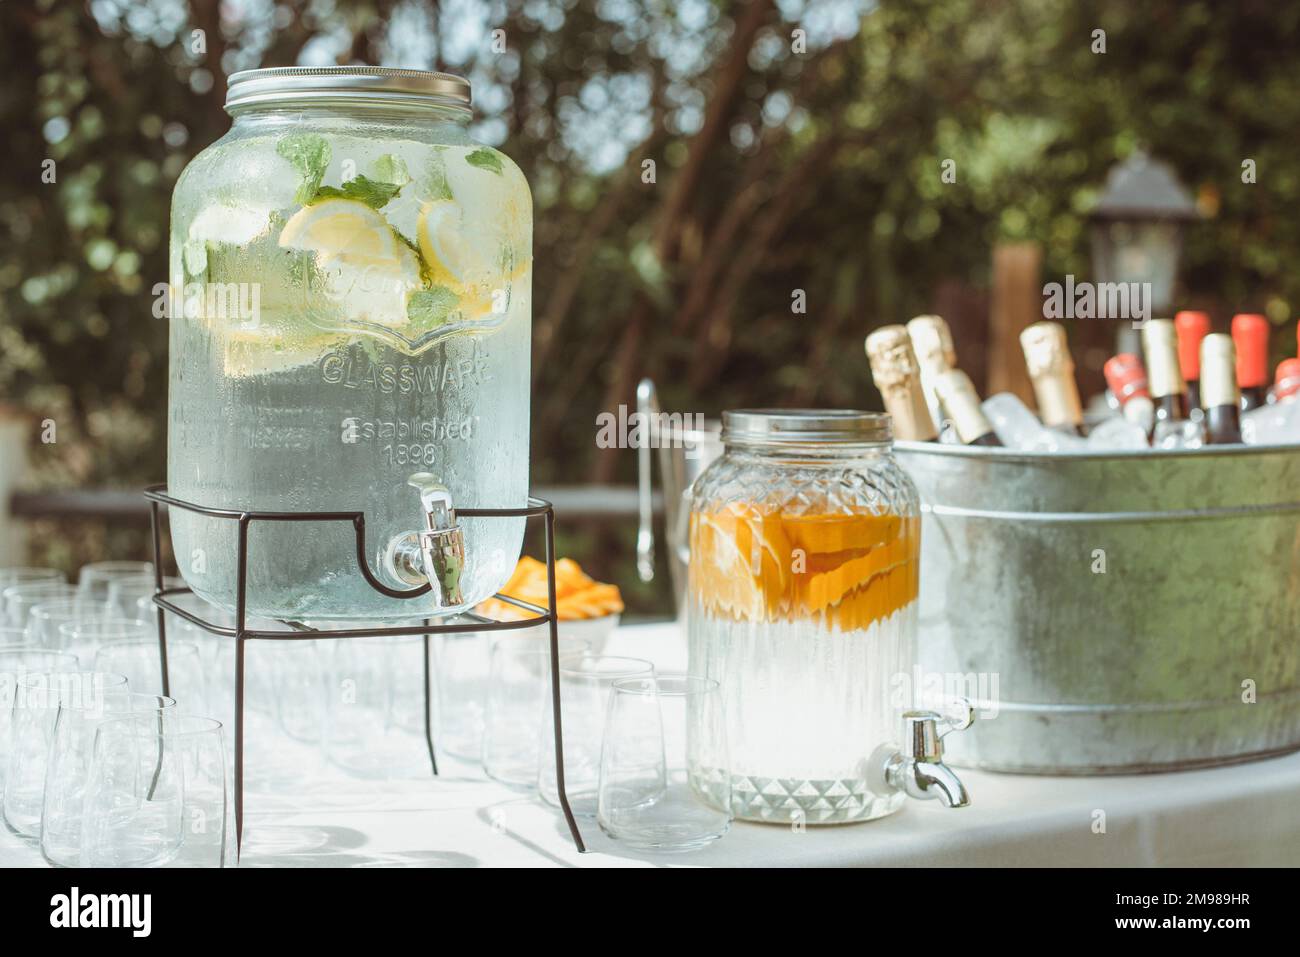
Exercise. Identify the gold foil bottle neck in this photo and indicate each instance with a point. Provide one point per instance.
(961, 404)
(1219, 371)
(1160, 343)
(1051, 368)
(898, 377)
(932, 343)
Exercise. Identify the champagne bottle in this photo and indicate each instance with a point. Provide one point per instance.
(1051, 369)
(932, 343)
(1220, 396)
(1127, 381)
(1286, 385)
(1191, 328)
(898, 377)
(961, 405)
(1164, 377)
(1250, 336)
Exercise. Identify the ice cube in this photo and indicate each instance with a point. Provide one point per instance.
(1118, 433)
(1178, 434)
(1018, 428)
(1277, 424)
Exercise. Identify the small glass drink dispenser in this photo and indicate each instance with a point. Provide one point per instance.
(803, 580)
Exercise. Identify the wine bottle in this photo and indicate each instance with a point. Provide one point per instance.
(1286, 384)
(961, 405)
(1164, 378)
(1220, 396)
(1051, 369)
(1127, 381)
(1191, 328)
(1250, 336)
(932, 343)
(898, 377)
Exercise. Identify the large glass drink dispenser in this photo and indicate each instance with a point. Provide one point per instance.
(350, 331)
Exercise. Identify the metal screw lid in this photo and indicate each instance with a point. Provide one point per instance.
(374, 84)
(806, 427)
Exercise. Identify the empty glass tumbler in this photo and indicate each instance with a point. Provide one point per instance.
(374, 708)
(14, 664)
(158, 794)
(68, 766)
(97, 578)
(21, 598)
(585, 686)
(518, 689)
(37, 700)
(663, 769)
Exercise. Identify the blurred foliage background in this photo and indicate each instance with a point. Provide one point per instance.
(797, 146)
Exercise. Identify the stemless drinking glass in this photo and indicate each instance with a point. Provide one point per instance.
(45, 620)
(297, 673)
(585, 683)
(374, 718)
(23, 576)
(518, 684)
(68, 766)
(11, 637)
(21, 598)
(14, 663)
(138, 658)
(97, 577)
(649, 796)
(158, 794)
(462, 674)
(125, 594)
(37, 699)
(84, 638)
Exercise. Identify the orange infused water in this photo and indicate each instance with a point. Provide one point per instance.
(804, 611)
(804, 554)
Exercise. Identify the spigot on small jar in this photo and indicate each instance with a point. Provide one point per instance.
(437, 554)
(917, 768)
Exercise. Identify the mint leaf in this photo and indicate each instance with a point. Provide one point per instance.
(391, 168)
(485, 158)
(431, 307)
(434, 186)
(363, 189)
(309, 154)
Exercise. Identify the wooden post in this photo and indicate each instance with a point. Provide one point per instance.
(1017, 302)
(13, 466)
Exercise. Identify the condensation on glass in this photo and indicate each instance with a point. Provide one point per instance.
(350, 330)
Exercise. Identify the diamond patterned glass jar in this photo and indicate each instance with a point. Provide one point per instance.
(804, 567)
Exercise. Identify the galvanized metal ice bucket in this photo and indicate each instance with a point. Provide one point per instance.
(1112, 613)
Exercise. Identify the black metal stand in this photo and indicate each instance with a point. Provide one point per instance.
(240, 633)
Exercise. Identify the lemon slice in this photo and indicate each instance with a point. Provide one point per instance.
(465, 259)
(342, 229)
(442, 240)
(233, 225)
(366, 269)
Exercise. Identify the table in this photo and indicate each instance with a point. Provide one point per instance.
(1242, 814)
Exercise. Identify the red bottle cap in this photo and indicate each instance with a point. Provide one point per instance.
(1250, 336)
(1125, 376)
(1287, 383)
(1191, 327)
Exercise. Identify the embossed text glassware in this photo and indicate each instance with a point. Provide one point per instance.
(350, 325)
(805, 539)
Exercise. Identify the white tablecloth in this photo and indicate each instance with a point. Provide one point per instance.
(1244, 814)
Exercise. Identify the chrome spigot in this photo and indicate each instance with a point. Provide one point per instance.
(917, 769)
(436, 554)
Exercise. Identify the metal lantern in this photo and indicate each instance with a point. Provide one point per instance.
(1137, 227)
